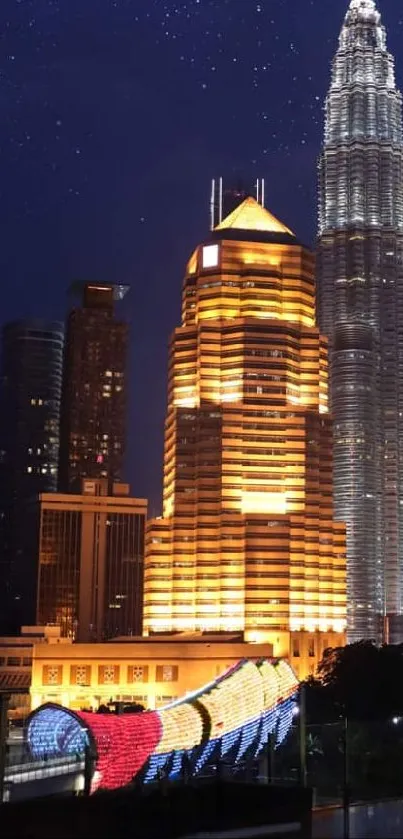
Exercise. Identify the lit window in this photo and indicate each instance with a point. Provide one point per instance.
(81, 675)
(108, 674)
(210, 256)
(167, 673)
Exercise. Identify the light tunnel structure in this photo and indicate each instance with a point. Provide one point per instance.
(228, 720)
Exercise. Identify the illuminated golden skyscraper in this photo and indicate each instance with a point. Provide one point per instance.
(248, 541)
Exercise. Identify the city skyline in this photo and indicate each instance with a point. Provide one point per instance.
(134, 180)
(381, 113)
(360, 308)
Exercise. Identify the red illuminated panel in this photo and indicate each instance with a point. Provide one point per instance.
(123, 743)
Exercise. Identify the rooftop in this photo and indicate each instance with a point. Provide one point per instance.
(250, 215)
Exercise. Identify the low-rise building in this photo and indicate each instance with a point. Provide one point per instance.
(150, 671)
(16, 665)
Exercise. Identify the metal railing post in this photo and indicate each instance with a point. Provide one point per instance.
(4, 700)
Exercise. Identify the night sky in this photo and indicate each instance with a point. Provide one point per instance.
(114, 117)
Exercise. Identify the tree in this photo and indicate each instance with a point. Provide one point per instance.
(360, 681)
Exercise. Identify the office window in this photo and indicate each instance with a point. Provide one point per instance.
(80, 674)
(167, 673)
(137, 673)
(52, 674)
(108, 674)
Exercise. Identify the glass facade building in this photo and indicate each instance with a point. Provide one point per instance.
(248, 541)
(30, 398)
(360, 309)
(93, 422)
(91, 562)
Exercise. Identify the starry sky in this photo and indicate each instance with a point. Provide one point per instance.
(114, 117)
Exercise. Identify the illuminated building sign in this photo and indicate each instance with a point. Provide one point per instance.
(210, 256)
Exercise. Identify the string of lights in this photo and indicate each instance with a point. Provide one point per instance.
(229, 718)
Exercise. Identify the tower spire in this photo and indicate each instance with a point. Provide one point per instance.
(362, 7)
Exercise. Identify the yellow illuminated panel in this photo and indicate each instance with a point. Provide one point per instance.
(182, 729)
(271, 684)
(228, 704)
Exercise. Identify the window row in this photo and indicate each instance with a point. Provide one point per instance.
(108, 674)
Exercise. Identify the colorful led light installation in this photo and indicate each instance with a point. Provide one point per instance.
(228, 719)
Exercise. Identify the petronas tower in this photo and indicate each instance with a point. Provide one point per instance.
(360, 309)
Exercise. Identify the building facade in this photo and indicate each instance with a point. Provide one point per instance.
(248, 540)
(30, 398)
(360, 309)
(93, 422)
(16, 665)
(91, 561)
(150, 672)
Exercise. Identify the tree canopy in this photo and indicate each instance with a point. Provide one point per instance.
(362, 681)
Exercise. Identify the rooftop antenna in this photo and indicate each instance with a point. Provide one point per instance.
(216, 202)
(260, 191)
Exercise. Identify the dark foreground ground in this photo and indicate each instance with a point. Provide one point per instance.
(380, 820)
(183, 811)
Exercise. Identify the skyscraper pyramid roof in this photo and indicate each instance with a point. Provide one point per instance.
(250, 215)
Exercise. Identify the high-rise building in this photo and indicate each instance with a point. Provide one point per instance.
(248, 540)
(226, 196)
(93, 422)
(30, 397)
(360, 309)
(91, 558)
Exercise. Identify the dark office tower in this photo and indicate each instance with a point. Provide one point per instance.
(226, 197)
(360, 306)
(91, 551)
(31, 388)
(93, 420)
